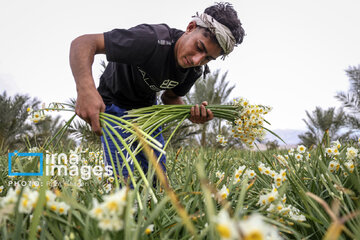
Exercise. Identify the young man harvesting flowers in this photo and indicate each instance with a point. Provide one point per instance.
(146, 59)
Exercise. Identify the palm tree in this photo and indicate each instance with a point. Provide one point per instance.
(215, 90)
(13, 126)
(322, 121)
(351, 99)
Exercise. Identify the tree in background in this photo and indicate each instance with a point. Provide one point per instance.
(351, 99)
(43, 131)
(13, 126)
(215, 90)
(321, 121)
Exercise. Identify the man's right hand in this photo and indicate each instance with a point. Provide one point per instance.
(89, 104)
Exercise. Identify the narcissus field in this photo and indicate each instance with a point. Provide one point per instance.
(206, 193)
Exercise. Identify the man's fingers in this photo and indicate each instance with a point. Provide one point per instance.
(203, 113)
(210, 115)
(95, 125)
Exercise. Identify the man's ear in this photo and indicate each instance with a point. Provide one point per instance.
(191, 26)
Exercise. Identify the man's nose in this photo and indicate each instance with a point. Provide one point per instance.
(197, 59)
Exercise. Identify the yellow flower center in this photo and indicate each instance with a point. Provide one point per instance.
(25, 202)
(254, 235)
(147, 231)
(61, 210)
(112, 206)
(271, 199)
(223, 230)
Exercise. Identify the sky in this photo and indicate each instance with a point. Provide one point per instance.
(293, 57)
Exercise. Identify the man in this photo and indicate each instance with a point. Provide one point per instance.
(149, 58)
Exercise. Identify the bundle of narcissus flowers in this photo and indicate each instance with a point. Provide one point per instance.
(247, 120)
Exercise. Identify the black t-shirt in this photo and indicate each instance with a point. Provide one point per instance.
(141, 63)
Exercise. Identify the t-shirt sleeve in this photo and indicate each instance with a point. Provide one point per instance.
(130, 46)
(183, 88)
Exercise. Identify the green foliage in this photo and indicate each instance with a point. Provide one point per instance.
(321, 121)
(192, 173)
(351, 99)
(13, 125)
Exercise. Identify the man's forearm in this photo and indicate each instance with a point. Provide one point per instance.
(169, 98)
(81, 59)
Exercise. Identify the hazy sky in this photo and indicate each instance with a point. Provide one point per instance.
(293, 57)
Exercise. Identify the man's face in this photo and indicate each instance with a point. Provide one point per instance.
(194, 49)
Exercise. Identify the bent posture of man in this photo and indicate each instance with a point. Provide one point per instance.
(147, 59)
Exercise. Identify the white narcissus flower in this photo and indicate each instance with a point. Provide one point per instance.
(350, 166)
(224, 192)
(298, 156)
(251, 174)
(351, 153)
(149, 229)
(336, 144)
(267, 171)
(1, 189)
(239, 171)
(107, 187)
(301, 149)
(63, 208)
(225, 226)
(111, 224)
(334, 165)
(261, 168)
(262, 200)
(255, 228)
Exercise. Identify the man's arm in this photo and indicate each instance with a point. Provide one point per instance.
(89, 102)
(197, 115)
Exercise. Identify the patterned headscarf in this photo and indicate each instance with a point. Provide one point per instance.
(223, 34)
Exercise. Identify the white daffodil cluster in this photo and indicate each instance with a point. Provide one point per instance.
(96, 157)
(240, 172)
(279, 177)
(334, 153)
(249, 126)
(39, 115)
(300, 153)
(36, 115)
(280, 207)
(29, 200)
(110, 212)
(268, 198)
(333, 150)
(253, 227)
(221, 139)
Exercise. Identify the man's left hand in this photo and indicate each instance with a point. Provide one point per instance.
(200, 114)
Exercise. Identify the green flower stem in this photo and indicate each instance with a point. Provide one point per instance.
(61, 132)
(105, 124)
(136, 163)
(149, 139)
(172, 134)
(112, 161)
